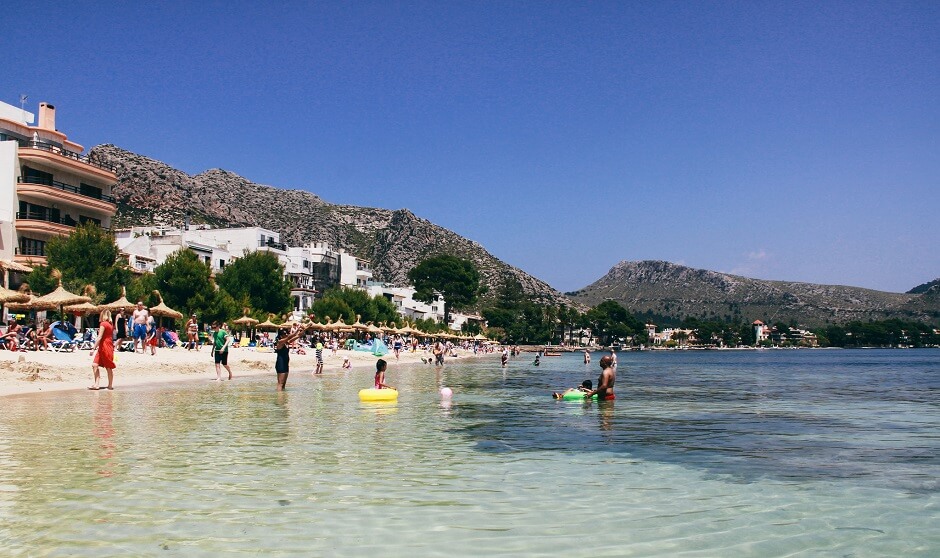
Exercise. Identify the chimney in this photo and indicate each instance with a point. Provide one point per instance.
(46, 116)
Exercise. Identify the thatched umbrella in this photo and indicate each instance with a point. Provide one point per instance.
(388, 328)
(81, 309)
(359, 326)
(267, 324)
(480, 337)
(8, 295)
(245, 321)
(59, 297)
(162, 310)
(121, 303)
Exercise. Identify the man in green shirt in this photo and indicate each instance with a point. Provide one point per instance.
(221, 341)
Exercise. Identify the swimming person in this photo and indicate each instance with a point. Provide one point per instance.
(587, 357)
(538, 357)
(586, 386)
(605, 384)
(380, 366)
(104, 346)
(282, 349)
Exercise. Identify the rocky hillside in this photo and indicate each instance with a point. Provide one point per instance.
(662, 289)
(151, 192)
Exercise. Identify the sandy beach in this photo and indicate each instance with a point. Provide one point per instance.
(47, 371)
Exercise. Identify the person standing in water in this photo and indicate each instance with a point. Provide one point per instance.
(104, 346)
(587, 357)
(282, 350)
(605, 384)
(221, 341)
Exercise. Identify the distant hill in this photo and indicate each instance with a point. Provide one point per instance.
(152, 192)
(670, 291)
(926, 287)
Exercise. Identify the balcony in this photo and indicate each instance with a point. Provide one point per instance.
(273, 245)
(34, 222)
(51, 154)
(53, 192)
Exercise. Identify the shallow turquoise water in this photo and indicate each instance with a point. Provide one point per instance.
(770, 453)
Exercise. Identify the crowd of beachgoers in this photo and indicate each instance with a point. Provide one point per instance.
(46, 355)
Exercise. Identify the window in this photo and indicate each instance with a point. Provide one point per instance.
(89, 190)
(221, 264)
(32, 247)
(37, 176)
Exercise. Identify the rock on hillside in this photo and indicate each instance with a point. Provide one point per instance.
(152, 192)
(669, 290)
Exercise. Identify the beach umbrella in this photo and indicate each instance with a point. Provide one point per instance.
(245, 321)
(162, 310)
(82, 309)
(57, 298)
(121, 303)
(480, 337)
(389, 328)
(359, 326)
(23, 306)
(373, 329)
(267, 324)
(11, 296)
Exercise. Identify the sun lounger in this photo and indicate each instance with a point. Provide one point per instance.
(61, 342)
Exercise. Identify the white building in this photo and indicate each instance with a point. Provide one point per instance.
(312, 268)
(407, 306)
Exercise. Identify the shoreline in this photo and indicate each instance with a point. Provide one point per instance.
(41, 372)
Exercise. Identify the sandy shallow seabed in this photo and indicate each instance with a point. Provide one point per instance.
(46, 371)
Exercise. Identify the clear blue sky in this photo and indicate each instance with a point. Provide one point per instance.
(777, 140)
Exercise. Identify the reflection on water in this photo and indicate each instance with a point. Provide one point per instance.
(715, 453)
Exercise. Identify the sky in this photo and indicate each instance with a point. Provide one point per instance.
(794, 141)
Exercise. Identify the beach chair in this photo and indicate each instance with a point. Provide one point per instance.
(24, 339)
(62, 342)
(86, 341)
(244, 341)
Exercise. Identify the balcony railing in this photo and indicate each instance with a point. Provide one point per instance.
(37, 216)
(271, 244)
(62, 186)
(53, 148)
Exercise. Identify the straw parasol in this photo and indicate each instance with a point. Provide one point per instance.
(373, 329)
(8, 295)
(84, 307)
(359, 326)
(245, 321)
(480, 337)
(59, 297)
(121, 303)
(389, 328)
(25, 305)
(163, 310)
(267, 324)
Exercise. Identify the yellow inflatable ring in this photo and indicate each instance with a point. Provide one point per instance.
(372, 394)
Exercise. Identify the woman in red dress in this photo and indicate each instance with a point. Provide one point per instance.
(104, 346)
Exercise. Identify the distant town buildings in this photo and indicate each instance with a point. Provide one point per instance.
(312, 268)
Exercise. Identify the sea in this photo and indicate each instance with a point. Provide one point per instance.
(703, 453)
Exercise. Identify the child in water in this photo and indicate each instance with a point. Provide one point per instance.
(380, 366)
(586, 386)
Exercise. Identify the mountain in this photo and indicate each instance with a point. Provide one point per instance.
(663, 290)
(932, 286)
(150, 192)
